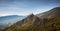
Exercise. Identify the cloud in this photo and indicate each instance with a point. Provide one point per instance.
(24, 8)
(14, 11)
(2, 13)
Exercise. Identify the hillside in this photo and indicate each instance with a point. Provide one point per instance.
(50, 21)
(24, 24)
(51, 13)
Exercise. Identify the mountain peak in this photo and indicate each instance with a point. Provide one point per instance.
(31, 15)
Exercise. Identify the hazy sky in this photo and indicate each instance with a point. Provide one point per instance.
(25, 7)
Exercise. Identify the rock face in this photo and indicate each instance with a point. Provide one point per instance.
(49, 22)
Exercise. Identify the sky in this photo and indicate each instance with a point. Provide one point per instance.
(26, 7)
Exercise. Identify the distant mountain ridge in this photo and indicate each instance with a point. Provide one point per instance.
(49, 21)
(7, 21)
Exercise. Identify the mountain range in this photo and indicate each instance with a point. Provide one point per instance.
(47, 21)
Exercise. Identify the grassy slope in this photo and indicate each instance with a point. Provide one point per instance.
(50, 25)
